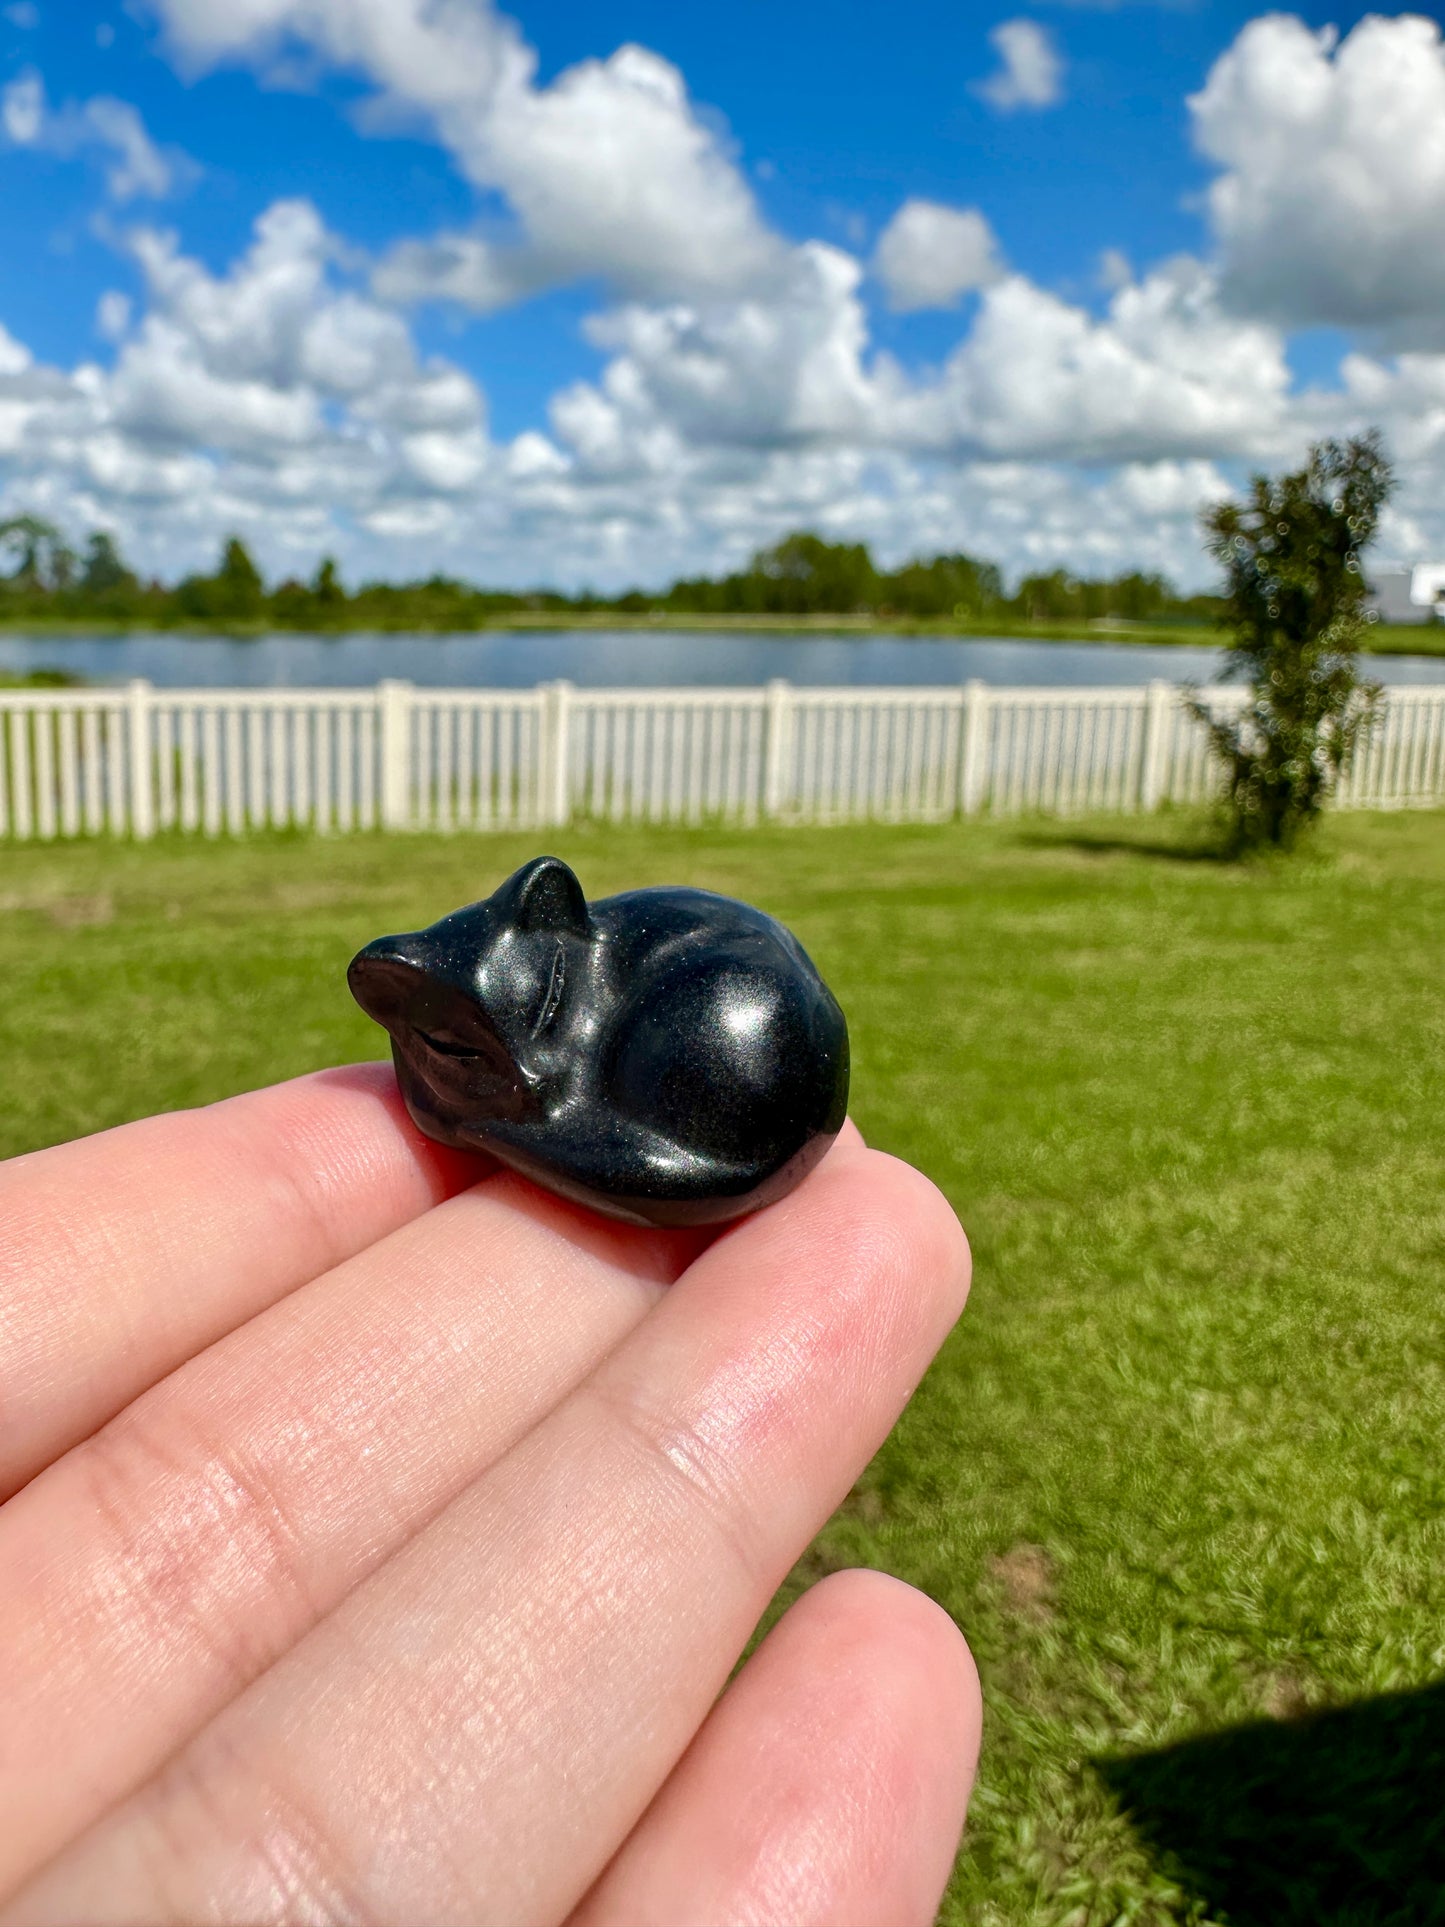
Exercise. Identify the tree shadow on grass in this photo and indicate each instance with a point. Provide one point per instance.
(1201, 850)
(1337, 1820)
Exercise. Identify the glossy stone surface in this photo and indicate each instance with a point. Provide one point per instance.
(666, 1056)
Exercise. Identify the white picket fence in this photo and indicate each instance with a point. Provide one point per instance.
(137, 760)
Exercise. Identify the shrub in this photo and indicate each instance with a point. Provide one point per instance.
(1295, 605)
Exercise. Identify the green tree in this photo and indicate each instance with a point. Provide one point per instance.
(104, 569)
(1295, 594)
(326, 584)
(42, 559)
(946, 585)
(1137, 597)
(807, 575)
(235, 593)
(1049, 598)
(239, 580)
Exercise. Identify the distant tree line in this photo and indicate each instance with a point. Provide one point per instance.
(804, 575)
(43, 577)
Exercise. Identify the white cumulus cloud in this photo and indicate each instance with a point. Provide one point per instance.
(777, 372)
(464, 269)
(278, 398)
(22, 110)
(136, 165)
(1165, 374)
(271, 397)
(1030, 71)
(1331, 205)
(112, 314)
(608, 170)
(741, 390)
(929, 255)
(14, 356)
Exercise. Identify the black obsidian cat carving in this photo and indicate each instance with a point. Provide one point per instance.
(669, 1057)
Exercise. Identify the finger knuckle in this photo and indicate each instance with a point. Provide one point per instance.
(200, 1550)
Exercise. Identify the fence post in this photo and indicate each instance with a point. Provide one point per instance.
(973, 756)
(394, 698)
(1151, 759)
(138, 715)
(20, 770)
(778, 753)
(557, 754)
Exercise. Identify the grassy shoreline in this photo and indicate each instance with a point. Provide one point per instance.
(1383, 639)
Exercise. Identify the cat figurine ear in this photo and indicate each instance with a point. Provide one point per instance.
(544, 895)
(666, 1056)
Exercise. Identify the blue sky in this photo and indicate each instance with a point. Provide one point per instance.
(1036, 284)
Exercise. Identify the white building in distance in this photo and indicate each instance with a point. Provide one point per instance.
(1409, 595)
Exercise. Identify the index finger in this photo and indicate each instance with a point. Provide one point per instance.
(126, 1253)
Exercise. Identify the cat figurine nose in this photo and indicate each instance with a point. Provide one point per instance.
(665, 1056)
(384, 961)
(393, 978)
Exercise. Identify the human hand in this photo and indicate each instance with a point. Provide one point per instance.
(377, 1540)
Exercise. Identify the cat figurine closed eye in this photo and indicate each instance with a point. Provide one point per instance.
(666, 1056)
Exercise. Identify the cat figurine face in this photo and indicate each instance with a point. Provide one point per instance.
(472, 1000)
(664, 1056)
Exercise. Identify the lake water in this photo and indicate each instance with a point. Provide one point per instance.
(639, 658)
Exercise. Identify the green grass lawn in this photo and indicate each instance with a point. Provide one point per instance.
(1179, 1472)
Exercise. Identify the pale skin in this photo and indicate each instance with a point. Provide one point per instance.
(379, 1534)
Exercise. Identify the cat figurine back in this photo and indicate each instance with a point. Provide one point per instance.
(666, 1056)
